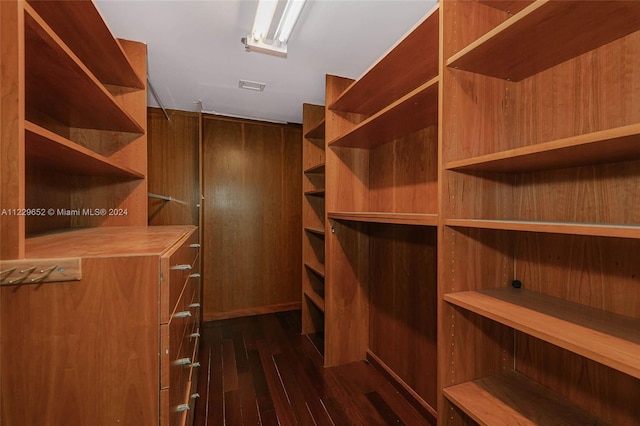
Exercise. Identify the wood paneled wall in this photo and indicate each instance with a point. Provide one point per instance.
(173, 166)
(251, 217)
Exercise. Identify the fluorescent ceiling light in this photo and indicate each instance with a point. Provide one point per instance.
(272, 26)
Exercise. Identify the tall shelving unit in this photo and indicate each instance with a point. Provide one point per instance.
(539, 297)
(74, 122)
(382, 215)
(103, 308)
(313, 223)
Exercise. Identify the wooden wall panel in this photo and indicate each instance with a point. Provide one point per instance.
(107, 333)
(12, 178)
(580, 269)
(549, 107)
(611, 395)
(403, 174)
(403, 295)
(252, 216)
(173, 167)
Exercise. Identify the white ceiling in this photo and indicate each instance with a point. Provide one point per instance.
(195, 52)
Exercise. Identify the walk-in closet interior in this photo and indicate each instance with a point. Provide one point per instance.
(447, 237)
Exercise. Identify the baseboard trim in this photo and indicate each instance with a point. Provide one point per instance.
(411, 395)
(282, 307)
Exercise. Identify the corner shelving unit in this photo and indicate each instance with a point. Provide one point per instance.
(313, 224)
(540, 155)
(76, 102)
(382, 215)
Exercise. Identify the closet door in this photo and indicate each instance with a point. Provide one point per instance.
(251, 217)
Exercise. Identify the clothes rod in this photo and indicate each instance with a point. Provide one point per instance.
(165, 198)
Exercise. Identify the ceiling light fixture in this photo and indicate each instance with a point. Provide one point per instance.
(272, 26)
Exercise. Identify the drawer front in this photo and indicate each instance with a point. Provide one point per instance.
(182, 347)
(178, 267)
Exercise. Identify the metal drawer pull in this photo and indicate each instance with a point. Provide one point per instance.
(194, 275)
(180, 267)
(183, 314)
(195, 395)
(194, 305)
(195, 365)
(182, 407)
(196, 245)
(182, 361)
(194, 335)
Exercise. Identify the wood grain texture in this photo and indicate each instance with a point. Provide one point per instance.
(347, 170)
(347, 295)
(91, 346)
(611, 145)
(280, 375)
(252, 207)
(173, 167)
(47, 150)
(313, 217)
(55, 77)
(415, 57)
(346, 283)
(38, 271)
(81, 27)
(511, 398)
(542, 24)
(413, 111)
(402, 301)
(559, 216)
(51, 186)
(12, 176)
(598, 335)
(606, 393)
(403, 175)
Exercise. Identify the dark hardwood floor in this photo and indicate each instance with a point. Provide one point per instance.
(260, 371)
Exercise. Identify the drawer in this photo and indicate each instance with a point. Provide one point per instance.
(192, 387)
(182, 399)
(178, 266)
(179, 337)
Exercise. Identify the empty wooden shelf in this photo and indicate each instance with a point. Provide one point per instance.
(60, 86)
(384, 217)
(511, 398)
(415, 57)
(545, 34)
(610, 339)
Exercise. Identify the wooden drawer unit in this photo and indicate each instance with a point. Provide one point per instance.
(110, 321)
(179, 317)
(176, 268)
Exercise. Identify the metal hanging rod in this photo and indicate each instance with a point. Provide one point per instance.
(165, 198)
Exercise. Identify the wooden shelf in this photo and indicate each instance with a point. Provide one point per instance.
(60, 86)
(47, 149)
(594, 148)
(415, 57)
(319, 231)
(602, 336)
(317, 132)
(545, 34)
(315, 299)
(81, 27)
(382, 217)
(512, 398)
(318, 169)
(318, 268)
(589, 229)
(414, 111)
(315, 192)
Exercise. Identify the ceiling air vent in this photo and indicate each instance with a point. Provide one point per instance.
(251, 85)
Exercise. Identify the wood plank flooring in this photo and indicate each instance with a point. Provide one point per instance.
(260, 371)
